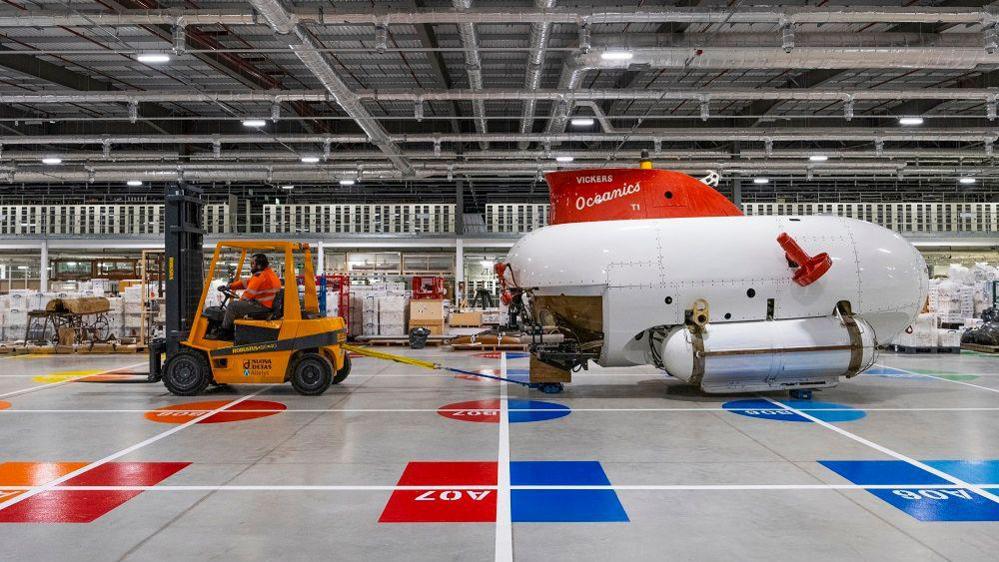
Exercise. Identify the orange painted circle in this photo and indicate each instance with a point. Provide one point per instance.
(246, 410)
(4, 405)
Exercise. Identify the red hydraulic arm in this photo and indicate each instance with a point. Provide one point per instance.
(810, 268)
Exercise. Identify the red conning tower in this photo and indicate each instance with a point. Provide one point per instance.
(630, 193)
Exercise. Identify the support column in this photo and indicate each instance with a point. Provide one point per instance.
(737, 192)
(320, 258)
(459, 269)
(43, 271)
(459, 207)
(232, 225)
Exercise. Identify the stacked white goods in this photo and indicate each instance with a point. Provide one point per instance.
(332, 304)
(948, 338)
(932, 295)
(15, 322)
(115, 316)
(492, 316)
(392, 314)
(18, 298)
(960, 274)
(922, 333)
(948, 302)
(131, 318)
(369, 313)
(214, 297)
(102, 287)
(967, 296)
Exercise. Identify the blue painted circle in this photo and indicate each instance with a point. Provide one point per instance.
(535, 410)
(764, 409)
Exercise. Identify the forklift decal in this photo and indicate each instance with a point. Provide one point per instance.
(304, 342)
(246, 368)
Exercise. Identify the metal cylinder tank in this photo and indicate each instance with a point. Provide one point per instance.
(769, 355)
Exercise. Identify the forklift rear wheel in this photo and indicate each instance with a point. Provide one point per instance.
(343, 372)
(187, 373)
(312, 374)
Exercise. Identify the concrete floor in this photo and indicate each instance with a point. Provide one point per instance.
(692, 480)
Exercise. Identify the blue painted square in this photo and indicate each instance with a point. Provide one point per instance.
(563, 506)
(882, 472)
(566, 506)
(557, 473)
(972, 472)
(941, 504)
(927, 504)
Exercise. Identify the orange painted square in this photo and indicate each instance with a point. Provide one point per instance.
(35, 473)
(31, 474)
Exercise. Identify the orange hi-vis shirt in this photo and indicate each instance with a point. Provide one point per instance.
(262, 287)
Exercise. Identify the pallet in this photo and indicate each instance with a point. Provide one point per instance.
(98, 349)
(980, 348)
(403, 342)
(489, 347)
(913, 349)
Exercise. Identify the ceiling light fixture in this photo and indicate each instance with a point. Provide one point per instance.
(255, 123)
(818, 158)
(617, 55)
(761, 180)
(967, 181)
(910, 121)
(51, 161)
(133, 183)
(347, 182)
(287, 187)
(153, 58)
(564, 158)
(310, 159)
(582, 121)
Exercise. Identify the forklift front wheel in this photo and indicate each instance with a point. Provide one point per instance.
(312, 374)
(187, 373)
(344, 371)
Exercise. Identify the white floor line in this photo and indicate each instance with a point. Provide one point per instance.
(880, 448)
(943, 378)
(377, 488)
(123, 452)
(67, 381)
(426, 410)
(504, 523)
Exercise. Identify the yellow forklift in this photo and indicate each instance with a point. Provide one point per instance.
(291, 342)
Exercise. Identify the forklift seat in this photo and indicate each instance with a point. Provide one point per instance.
(274, 313)
(277, 308)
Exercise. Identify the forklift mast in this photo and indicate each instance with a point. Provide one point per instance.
(184, 255)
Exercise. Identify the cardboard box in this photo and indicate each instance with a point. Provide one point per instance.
(426, 311)
(471, 319)
(436, 328)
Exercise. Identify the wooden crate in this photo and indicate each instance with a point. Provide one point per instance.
(436, 328)
(426, 311)
(470, 319)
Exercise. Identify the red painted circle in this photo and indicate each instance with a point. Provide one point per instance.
(4, 405)
(246, 410)
(483, 411)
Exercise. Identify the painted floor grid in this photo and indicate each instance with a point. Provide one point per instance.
(398, 463)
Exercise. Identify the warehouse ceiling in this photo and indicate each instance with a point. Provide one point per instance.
(399, 94)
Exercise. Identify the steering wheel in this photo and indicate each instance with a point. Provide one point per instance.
(227, 294)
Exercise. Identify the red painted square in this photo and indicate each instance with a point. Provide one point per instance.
(443, 505)
(127, 474)
(65, 506)
(84, 506)
(459, 473)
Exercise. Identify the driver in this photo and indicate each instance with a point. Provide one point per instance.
(258, 296)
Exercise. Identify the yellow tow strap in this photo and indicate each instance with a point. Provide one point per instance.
(390, 357)
(425, 364)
